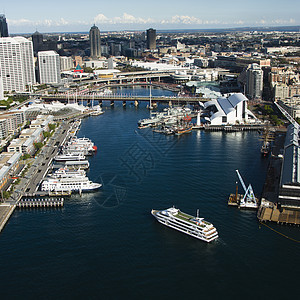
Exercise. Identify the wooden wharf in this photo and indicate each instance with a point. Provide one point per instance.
(286, 215)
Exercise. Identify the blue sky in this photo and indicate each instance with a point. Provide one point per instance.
(65, 15)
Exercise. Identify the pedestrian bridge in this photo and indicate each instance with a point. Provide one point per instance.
(121, 97)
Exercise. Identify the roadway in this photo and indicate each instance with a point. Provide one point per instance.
(40, 165)
(36, 172)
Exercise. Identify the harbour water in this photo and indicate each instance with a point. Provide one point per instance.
(106, 245)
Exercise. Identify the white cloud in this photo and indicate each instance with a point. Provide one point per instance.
(46, 22)
(182, 20)
(19, 22)
(276, 22)
(138, 22)
(100, 18)
(124, 19)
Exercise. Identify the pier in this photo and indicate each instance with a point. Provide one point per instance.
(269, 210)
(273, 213)
(231, 128)
(41, 202)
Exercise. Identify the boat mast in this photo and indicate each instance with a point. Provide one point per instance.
(150, 96)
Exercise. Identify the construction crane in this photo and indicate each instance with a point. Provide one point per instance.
(249, 200)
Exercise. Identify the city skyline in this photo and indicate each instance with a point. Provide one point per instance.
(70, 16)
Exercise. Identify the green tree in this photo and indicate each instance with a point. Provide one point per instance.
(38, 146)
(52, 126)
(46, 134)
(6, 194)
(88, 70)
(26, 156)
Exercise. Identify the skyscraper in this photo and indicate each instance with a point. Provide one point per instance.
(49, 66)
(151, 39)
(3, 26)
(254, 83)
(95, 42)
(16, 63)
(37, 39)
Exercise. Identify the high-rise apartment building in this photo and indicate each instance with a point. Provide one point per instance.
(49, 67)
(151, 39)
(3, 26)
(254, 81)
(16, 63)
(3, 128)
(95, 42)
(28, 59)
(66, 63)
(1, 89)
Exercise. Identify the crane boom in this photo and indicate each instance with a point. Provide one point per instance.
(249, 199)
(241, 180)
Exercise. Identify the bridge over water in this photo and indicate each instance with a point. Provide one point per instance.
(122, 97)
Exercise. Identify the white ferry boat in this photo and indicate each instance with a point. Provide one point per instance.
(167, 116)
(73, 184)
(82, 164)
(76, 150)
(70, 157)
(193, 226)
(153, 120)
(84, 145)
(67, 173)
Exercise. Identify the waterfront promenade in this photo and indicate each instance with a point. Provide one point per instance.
(35, 174)
(6, 210)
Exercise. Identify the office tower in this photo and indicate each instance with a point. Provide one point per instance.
(95, 42)
(104, 50)
(254, 81)
(151, 39)
(49, 67)
(37, 39)
(16, 63)
(3, 26)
